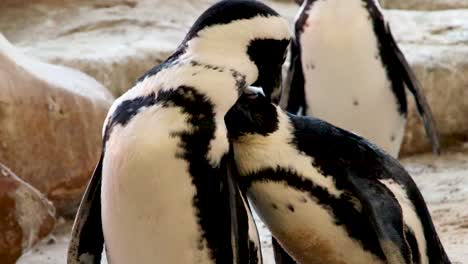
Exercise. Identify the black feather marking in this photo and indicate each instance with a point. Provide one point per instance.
(269, 56)
(126, 111)
(212, 189)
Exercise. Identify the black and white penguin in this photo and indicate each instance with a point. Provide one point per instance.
(328, 195)
(347, 69)
(161, 192)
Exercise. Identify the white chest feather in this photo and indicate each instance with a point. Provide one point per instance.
(147, 194)
(345, 80)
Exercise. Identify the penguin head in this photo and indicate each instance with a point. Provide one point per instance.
(253, 113)
(244, 35)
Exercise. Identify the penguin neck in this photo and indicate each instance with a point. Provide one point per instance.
(220, 83)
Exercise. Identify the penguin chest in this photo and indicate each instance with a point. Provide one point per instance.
(147, 193)
(306, 229)
(346, 82)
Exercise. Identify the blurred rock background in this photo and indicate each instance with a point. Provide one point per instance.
(63, 61)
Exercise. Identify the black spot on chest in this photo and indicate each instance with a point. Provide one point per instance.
(290, 207)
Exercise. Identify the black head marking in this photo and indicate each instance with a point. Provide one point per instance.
(252, 114)
(226, 11)
(269, 56)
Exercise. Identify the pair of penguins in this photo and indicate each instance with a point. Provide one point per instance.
(184, 147)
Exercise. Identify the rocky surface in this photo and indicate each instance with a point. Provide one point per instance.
(50, 125)
(443, 182)
(26, 216)
(424, 4)
(436, 44)
(115, 41)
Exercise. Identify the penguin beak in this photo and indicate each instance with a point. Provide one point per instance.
(254, 90)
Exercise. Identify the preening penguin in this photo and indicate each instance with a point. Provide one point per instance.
(347, 69)
(161, 192)
(327, 195)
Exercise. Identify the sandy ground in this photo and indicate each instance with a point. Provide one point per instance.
(442, 180)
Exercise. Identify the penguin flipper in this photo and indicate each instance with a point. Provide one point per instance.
(281, 256)
(386, 216)
(86, 244)
(411, 81)
(244, 249)
(293, 96)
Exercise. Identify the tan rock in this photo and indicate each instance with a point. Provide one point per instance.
(424, 4)
(26, 216)
(50, 125)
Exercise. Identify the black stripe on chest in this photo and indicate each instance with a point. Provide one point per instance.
(387, 56)
(341, 208)
(211, 196)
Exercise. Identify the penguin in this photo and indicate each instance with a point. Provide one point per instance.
(164, 190)
(347, 69)
(326, 194)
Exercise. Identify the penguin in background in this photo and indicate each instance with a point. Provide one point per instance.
(163, 191)
(347, 69)
(328, 195)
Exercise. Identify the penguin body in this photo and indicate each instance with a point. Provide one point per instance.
(327, 195)
(347, 69)
(163, 191)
